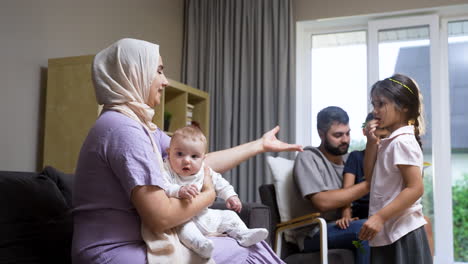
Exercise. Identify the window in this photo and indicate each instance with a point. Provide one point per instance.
(433, 49)
(458, 83)
(339, 62)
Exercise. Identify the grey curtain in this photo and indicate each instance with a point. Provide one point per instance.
(241, 53)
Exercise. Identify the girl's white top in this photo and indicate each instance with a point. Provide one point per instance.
(400, 148)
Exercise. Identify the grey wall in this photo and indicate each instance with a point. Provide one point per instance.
(32, 31)
(310, 10)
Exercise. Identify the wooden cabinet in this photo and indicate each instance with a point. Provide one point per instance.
(71, 109)
(176, 100)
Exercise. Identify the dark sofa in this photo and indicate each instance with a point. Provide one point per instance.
(35, 220)
(36, 224)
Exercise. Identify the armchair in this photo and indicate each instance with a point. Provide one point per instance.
(298, 222)
(289, 211)
(289, 252)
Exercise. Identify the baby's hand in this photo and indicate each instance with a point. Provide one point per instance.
(234, 203)
(188, 191)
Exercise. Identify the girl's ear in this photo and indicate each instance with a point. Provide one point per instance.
(167, 151)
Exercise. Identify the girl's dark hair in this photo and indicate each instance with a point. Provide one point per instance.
(405, 93)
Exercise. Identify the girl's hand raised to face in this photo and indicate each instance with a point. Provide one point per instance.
(272, 144)
(369, 129)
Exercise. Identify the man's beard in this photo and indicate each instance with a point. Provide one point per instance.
(337, 151)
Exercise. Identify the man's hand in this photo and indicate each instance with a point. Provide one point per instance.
(272, 144)
(234, 203)
(371, 227)
(343, 222)
(188, 192)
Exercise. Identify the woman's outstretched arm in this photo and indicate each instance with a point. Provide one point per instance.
(224, 160)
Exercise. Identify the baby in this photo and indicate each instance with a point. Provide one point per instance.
(184, 178)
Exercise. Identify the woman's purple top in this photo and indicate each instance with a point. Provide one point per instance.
(116, 156)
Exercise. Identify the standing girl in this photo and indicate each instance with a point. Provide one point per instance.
(394, 166)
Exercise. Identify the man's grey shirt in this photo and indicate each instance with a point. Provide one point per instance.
(314, 173)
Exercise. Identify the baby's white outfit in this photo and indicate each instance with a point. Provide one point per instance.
(210, 221)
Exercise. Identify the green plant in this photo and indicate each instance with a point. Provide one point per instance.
(167, 120)
(167, 115)
(459, 211)
(460, 219)
(358, 245)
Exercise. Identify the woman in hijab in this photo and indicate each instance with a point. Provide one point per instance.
(118, 182)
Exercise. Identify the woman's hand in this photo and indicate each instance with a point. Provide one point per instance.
(208, 183)
(234, 203)
(224, 160)
(371, 227)
(188, 191)
(271, 144)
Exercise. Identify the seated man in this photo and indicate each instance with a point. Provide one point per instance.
(318, 173)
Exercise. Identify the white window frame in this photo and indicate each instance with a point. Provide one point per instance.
(437, 19)
(446, 191)
(304, 32)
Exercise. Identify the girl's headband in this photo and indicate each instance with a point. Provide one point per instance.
(402, 84)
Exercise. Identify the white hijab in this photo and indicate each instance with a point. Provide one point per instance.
(122, 76)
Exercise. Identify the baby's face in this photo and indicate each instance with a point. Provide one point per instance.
(186, 156)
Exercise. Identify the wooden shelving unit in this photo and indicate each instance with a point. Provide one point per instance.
(71, 109)
(175, 100)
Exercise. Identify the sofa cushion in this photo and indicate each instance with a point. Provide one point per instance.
(64, 182)
(35, 220)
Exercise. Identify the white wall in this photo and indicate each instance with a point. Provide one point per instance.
(33, 31)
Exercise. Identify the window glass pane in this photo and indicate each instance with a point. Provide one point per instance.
(458, 68)
(339, 78)
(406, 51)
